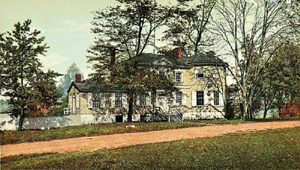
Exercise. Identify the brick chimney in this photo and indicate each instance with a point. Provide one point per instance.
(178, 51)
(78, 78)
(112, 63)
(211, 53)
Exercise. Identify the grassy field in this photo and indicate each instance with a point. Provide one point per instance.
(272, 149)
(9, 137)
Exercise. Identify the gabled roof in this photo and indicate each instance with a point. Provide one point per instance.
(158, 60)
(87, 87)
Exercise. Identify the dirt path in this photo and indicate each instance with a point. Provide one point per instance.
(127, 139)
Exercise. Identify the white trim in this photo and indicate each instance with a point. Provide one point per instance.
(112, 100)
(70, 101)
(124, 100)
(137, 100)
(193, 98)
(89, 100)
(183, 87)
(184, 97)
(102, 100)
(148, 99)
(77, 98)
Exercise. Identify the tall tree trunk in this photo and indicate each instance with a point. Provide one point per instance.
(130, 109)
(265, 111)
(21, 119)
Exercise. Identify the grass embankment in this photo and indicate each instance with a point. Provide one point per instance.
(9, 137)
(272, 149)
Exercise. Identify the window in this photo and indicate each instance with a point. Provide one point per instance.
(200, 98)
(161, 71)
(118, 99)
(216, 98)
(199, 73)
(178, 76)
(142, 100)
(215, 73)
(179, 98)
(96, 100)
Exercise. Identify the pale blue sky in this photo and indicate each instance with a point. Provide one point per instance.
(65, 24)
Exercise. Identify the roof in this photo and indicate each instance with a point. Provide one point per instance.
(88, 87)
(159, 60)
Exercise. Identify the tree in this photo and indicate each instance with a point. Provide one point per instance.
(188, 26)
(127, 30)
(66, 80)
(252, 34)
(19, 61)
(281, 78)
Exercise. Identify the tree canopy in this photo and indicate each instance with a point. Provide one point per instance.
(66, 80)
(21, 66)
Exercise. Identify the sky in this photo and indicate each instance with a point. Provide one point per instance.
(65, 24)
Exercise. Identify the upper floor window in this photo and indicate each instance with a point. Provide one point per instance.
(178, 76)
(179, 98)
(200, 98)
(215, 73)
(118, 99)
(199, 73)
(161, 71)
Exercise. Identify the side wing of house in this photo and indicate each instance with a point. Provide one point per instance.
(201, 92)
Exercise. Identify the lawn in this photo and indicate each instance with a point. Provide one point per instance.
(271, 149)
(9, 137)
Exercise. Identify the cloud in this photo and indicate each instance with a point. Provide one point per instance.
(71, 27)
(52, 59)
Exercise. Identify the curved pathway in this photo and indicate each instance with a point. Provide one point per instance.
(128, 139)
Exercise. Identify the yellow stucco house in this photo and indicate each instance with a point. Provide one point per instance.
(200, 81)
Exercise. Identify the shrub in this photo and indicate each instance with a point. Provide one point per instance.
(291, 109)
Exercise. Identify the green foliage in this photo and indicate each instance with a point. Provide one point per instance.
(188, 26)
(24, 82)
(125, 31)
(281, 78)
(272, 149)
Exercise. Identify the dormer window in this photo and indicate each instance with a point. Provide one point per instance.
(161, 71)
(199, 73)
(216, 73)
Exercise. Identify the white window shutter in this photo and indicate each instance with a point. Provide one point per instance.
(70, 101)
(124, 100)
(112, 100)
(77, 101)
(148, 99)
(174, 96)
(206, 101)
(137, 100)
(90, 100)
(184, 97)
(196, 72)
(194, 98)
(221, 99)
(102, 100)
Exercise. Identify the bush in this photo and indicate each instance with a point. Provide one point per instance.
(291, 109)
